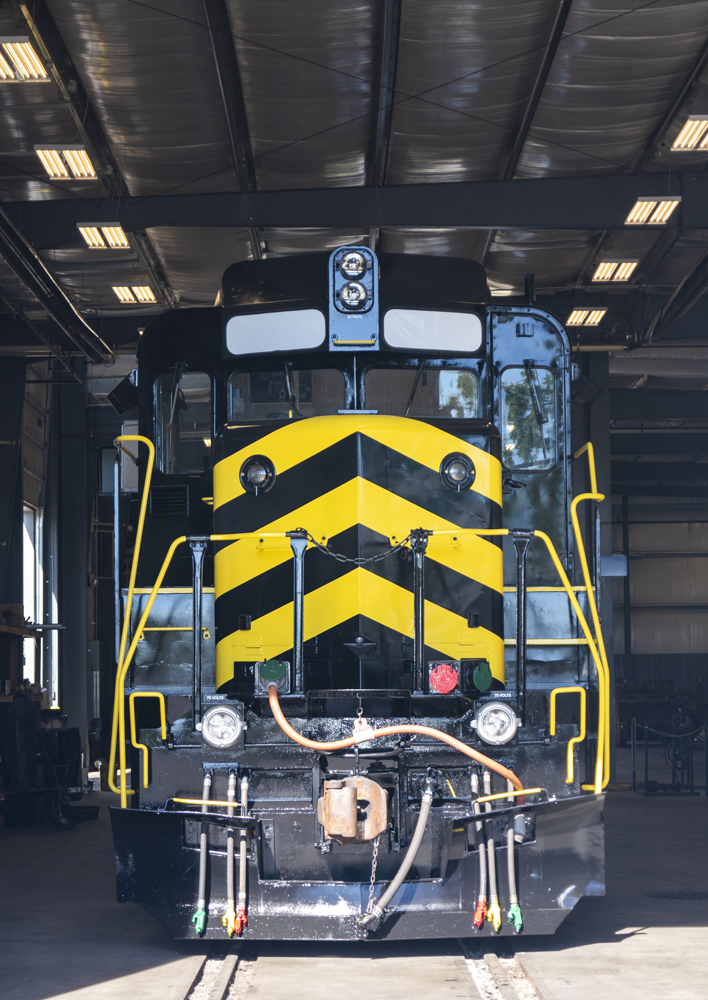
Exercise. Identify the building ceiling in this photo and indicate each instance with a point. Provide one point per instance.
(227, 97)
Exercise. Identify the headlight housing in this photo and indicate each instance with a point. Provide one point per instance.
(222, 726)
(496, 723)
(257, 474)
(457, 472)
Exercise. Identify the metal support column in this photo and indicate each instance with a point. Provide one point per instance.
(627, 598)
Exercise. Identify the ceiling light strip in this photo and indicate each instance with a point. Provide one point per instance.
(691, 134)
(124, 293)
(652, 210)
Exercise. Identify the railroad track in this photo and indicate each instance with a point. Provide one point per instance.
(232, 974)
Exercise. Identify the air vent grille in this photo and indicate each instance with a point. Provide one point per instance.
(169, 501)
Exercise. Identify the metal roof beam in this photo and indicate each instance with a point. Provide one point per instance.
(227, 70)
(386, 90)
(657, 404)
(678, 102)
(600, 202)
(543, 71)
(671, 442)
(29, 268)
(657, 472)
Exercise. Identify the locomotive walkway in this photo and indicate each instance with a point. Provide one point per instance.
(63, 936)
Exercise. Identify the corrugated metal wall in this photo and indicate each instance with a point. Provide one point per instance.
(668, 587)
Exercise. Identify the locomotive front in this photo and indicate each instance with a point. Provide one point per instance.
(355, 754)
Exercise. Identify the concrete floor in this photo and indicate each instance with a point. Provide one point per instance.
(62, 935)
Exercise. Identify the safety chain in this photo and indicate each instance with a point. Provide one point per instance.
(358, 560)
(660, 732)
(372, 881)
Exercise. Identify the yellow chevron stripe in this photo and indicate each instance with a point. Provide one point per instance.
(377, 599)
(290, 445)
(358, 502)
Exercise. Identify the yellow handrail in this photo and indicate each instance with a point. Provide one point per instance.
(581, 735)
(128, 607)
(508, 795)
(118, 731)
(603, 689)
(133, 730)
(598, 498)
(591, 463)
(604, 686)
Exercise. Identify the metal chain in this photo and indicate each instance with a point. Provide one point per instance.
(372, 881)
(358, 560)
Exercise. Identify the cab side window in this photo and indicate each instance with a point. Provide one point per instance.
(183, 421)
(528, 418)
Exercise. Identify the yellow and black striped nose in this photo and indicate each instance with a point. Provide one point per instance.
(357, 483)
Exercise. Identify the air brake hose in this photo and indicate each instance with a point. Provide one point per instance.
(494, 911)
(371, 921)
(480, 913)
(514, 915)
(241, 916)
(374, 734)
(199, 918)
(229, 917)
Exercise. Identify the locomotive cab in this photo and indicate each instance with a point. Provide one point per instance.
(358, 591)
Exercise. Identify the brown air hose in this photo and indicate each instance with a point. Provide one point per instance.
(386, 731)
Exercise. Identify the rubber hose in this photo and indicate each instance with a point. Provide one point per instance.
(231, 797)
(386, 731)
(382, 902)
(203, 846)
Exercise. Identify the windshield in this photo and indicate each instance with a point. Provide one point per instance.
(285, 394)
(183, 421)
(424, 391)
(528, 418)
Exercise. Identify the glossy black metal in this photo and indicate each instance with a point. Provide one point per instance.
(298, 544)
(521, 539)
(156, 867)
(198, 548)
(419, 543)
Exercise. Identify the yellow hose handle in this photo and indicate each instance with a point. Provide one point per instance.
(133, 730)
(581, 735)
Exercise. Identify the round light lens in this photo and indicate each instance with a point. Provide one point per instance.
(496, 723)
(353, 295)
(457, 472)
(353, 265)
(222, 726)
(256, 474)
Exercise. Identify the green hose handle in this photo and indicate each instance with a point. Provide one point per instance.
(199, 921)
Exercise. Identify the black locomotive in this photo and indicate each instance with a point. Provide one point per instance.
(360, 626)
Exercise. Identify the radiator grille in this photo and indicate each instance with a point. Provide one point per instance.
(169, 501)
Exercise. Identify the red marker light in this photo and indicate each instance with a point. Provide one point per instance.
(444, 678)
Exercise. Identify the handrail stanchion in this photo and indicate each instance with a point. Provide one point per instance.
(116, 553)
(298, 543)
(419, 543)
(521, 539)
(198, 546)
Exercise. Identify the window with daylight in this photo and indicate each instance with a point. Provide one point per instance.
(528, 418)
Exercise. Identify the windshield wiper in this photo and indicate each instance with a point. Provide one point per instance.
(415, 386)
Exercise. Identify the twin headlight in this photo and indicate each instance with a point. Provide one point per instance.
(496, 723)
(222, 726)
